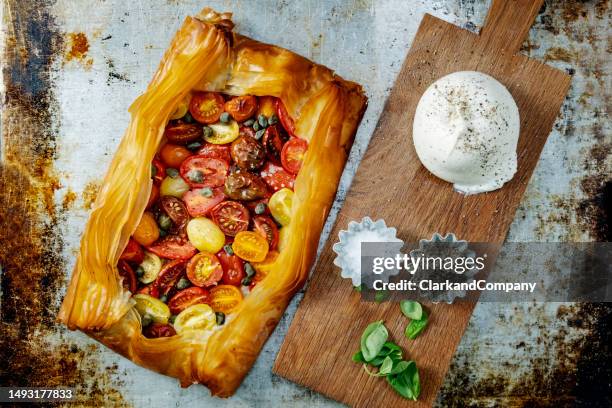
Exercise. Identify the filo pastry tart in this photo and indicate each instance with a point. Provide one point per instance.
(208, 220)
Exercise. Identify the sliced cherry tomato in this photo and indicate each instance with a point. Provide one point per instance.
(242, 185)
(277, 177)
(150, 290)
(250, 246)
(223, 133)
(284, 118)
(173, 186)
(199, 202)
(205, 235)
(173, 155)
(214, 151)
(156, 330)
(199, 171)
(153, 196)
(252, 206)
(128, 275)
(188, 297)
(169, 276)
(182, 133)
(248, 153)
(231, 216)
(147, 231)
(160, 171)
(263, 268)
(195, 317)
(273, 141)
(293, 153)
(246, 131)
(281, 204)
(267, 106)
(173, 247)
(204, 270)
(225, 298)
(133, 252)
(206, 107)
(233, 268)
(267, 228)
(155, 308)
(242, 107)
(176, 210)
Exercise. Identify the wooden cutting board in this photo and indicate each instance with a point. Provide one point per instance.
(392, 184)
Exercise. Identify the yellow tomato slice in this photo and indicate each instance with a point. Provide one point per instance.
(151, 265)
(147, 231)
(205, 235)
(280, 205)
(148, 305)
(225, 298)
(175, 187)
(223, 133)
(195, 317)
(250, 246)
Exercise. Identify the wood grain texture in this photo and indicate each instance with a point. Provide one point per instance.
(392, 184)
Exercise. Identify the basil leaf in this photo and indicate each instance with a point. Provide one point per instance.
(411, 309)
(398, 383)
(386, 366)
(406, 383)
(416, 327)
(373, 340)
(399, 367)
(358, 357)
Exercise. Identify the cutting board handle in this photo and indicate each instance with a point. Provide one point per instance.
(508, 23)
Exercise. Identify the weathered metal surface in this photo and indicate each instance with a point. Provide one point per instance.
(70, 70)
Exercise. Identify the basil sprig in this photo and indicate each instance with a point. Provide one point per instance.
(385, 355)
(418, 318)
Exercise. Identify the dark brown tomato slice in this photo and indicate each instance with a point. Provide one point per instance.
(242, 185)
(154, 196)
(285, 118)
(199, 202)
(173, 155)
(246, 131)
(266, 227)
(182, 133)
(252, 205)
(188, 297)
(215, 152)
(242, 107)
(206, 107)
(159, 171)
(233, 269)
(175, 209)
(293, 154)
(199, 171)
(133, 252)
(231, 217)
(169, 276)
(204, 270)
(156, 330)
(248, 153)
(277, 177)
(150, 290)
(173, 247)
(273, 141)
(129, 277)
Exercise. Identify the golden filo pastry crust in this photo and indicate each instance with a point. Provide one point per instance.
(205, 54)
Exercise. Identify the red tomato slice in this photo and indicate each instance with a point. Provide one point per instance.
(188, 297)
(231, 217)
(233, 269)
(156, 330)
(273, 141)
(206, 107)
(150, 290)
(175, 209)
(204, 269)
(284, 118)
(292, 155)
(200, 171)
(173, 247)
(242, 107)
(199, 204)
(128, 275)
(169, 276)
(251, 205)
(266, 227)
(246, 131)
(216, 151)
(160, 171)
(276, 177)
(132, 252)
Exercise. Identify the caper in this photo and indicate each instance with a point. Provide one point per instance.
(194, 146)
(188, 118)
(273, 120)
(197, 176)
(183, 283)
(164, 298)
(171, 319)
(206, 192)
(140, 271)
(207, 131)
(262, 120)
(248, 123)
(172, 172)
(220, 316)
(259, 134)
(228, 249)
(256, 126)
(164, 222)
(246, 281)
(250, 271)
(163, 233)
(153, 171)
(225, 117)
(260, 208)
(146, 320)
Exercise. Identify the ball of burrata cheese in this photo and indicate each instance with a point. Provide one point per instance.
(466, 129)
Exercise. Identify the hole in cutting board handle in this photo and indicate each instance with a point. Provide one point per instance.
(508, 23)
